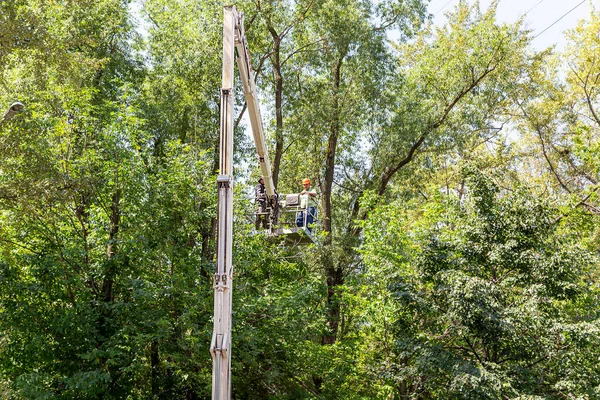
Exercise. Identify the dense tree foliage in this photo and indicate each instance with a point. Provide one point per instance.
(484, 307)
(457, 172)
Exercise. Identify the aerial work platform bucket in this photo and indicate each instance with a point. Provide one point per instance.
(290, 206)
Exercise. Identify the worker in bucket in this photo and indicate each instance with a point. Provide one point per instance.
(308, 203)
(261, 199)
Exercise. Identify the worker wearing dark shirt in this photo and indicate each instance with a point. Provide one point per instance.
(261, 199)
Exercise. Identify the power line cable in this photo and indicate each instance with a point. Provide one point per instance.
(564, 15)
(538, 3)
(444, 6)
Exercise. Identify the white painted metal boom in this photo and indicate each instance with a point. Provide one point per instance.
(245, 68)
(234, 37)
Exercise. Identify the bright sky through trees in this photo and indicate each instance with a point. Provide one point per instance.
(540, 15)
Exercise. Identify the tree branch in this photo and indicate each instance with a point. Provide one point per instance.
(473, 350)
(387, 175)
(300, 50)
(239, 118)
(301, 18)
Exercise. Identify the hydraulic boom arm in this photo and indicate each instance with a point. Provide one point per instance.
(245, 68)
(234, 37)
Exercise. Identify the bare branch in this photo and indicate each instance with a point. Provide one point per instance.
(301, 18)
(239, 118)
(473, 349)
(300, 50)
(261, 64)
(588, 93)
(387, 23)
(538, 131)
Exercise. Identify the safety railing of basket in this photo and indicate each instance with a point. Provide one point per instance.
(291, 204)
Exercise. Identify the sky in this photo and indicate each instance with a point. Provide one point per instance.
(541, 14)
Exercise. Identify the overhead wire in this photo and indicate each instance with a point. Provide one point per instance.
(450, 1)
(564, 15)
(528, 11)
(444, 6)
(538, 3)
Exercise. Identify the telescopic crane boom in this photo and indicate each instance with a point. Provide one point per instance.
(234, 38)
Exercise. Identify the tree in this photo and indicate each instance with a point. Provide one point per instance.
(560, 116)
(280, 22)
(351, 69)
(491, 304)
(425, 283)
(376, 119)
(428, 104)
(101, 214)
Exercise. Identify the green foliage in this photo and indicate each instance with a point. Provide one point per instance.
(277, 321)
(105, 290)
(490, 306)
(433, 283)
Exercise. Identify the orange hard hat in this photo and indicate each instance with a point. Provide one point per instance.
(305, 181)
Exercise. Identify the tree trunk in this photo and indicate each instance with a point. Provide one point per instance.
(278, 104)
(334, 273)
(109, 276)
(155, 371)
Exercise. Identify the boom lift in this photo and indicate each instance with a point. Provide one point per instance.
(234, 38)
